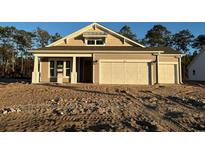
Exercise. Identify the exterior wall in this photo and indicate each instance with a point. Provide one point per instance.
(168, 58)
(97, 57)
(197, 65)
(111, 40)
(44, 70)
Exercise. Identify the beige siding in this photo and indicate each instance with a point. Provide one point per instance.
(111, 40)
(168, 58)
(44, 70)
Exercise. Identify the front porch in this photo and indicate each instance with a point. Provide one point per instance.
(63, 68)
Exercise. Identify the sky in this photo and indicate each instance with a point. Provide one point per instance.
(140, 28)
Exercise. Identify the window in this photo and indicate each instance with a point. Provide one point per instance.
(67, 68)
(90, 42)
(194, 72)
(52, 69)
(99, 42)
(95, 42)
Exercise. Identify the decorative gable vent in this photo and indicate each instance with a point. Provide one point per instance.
(94, 34)
(65, 41)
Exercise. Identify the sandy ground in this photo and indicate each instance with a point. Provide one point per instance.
(87, 107)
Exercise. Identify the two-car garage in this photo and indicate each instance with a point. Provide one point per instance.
(135, 72)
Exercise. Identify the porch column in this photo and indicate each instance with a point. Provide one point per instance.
(157, 68)
(74, 73)
(180, 70)
(35, 73)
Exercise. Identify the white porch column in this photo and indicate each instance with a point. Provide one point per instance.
(157, 68)
(74, 72)
(35, 73)
(180, 70)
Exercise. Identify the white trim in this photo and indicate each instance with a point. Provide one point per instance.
(89, 26)
(40, 70)
(151, 73)
(83, 52)
(63, 55)
(126, 60)
(171, 63)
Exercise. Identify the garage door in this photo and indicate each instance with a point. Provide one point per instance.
(167, 73)
(124, 72)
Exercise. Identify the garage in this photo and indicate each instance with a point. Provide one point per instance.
(124, 72)
(168, 73)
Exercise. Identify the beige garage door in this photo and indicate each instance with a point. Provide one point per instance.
(167, 73)
(124, 72)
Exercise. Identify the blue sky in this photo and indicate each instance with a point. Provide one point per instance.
(140, 28)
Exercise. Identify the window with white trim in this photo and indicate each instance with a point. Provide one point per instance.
(67, 68)
(95, 42)
(52, 68)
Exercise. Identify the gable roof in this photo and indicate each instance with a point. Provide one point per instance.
(166, 50)
(98, 25)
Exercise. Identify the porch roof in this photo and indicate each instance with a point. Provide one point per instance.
(166, 50)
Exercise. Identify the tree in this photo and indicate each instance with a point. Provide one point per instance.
(199, 42)
(8, 44)
(42, 37)
(55, 37)
(158, 36)
(24, 43)
(182, 40)
(127, 32)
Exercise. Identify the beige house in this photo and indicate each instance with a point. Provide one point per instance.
(196, 69)
(96, 54)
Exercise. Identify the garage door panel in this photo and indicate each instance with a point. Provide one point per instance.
(118, 75)
(167, 73)
(124, 73)
(136, 73)
(130, 73)
(105, 74)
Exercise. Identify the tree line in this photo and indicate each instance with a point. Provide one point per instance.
(160, 36)
(17, 62)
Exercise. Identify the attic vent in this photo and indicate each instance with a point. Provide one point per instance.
(94, 34)
(65, 40)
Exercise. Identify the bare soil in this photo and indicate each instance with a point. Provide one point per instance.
(89, 107)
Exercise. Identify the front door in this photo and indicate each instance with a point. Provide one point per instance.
(88, 71)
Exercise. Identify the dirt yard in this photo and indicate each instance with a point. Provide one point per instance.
(87, 107)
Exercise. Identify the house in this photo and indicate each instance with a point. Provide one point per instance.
(96, 54)
(196, 69)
